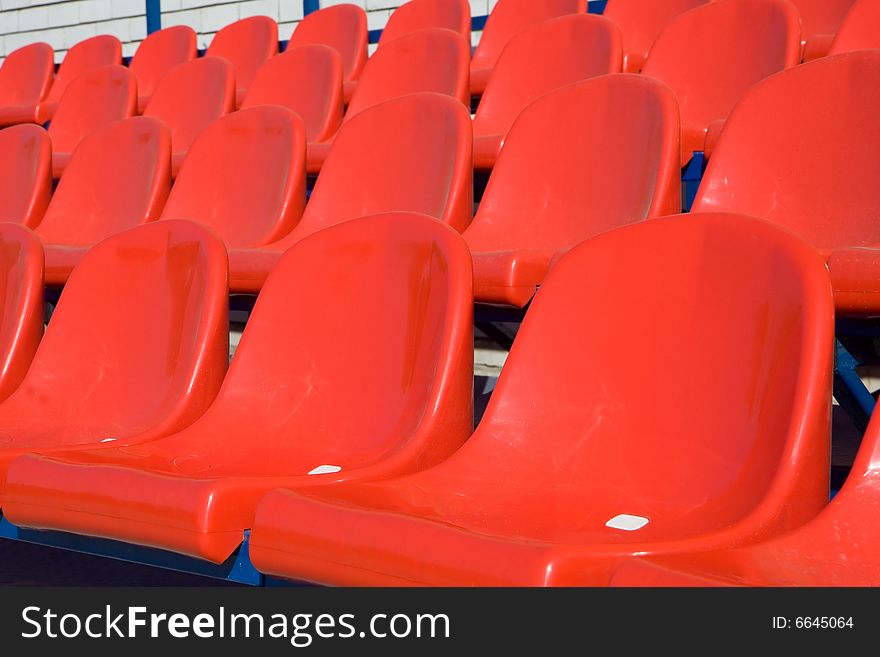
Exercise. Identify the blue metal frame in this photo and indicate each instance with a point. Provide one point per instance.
(154, 16)
(691, 177)
(237, 568)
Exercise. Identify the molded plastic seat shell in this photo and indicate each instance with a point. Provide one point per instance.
(244, 177)
(412, 154)
(342, 27)
(536, 61)
(308, 388)
(640, 22)
(25, 77)
(135, 154)
(802, 149)
(307, 80)
(432, 60)
(21, 303)
(820, 20)
(568, 448)
(507, 19)
(417, 15)
(859, 29)
(102, 50)
(191, 97)
(136, 349)
(94, 100)
(25, 174)
(160, 52)
(713, 54)
(246, 44)
(587, 137)
(837, 548)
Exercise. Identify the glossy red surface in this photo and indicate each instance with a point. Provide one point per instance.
(189, 98)
(570, 440)
(157, 55)
(307, 80)
(136, 154)
(411, 154)
(417, 15)
(312, 384)
(244, 177)
(342, 27)
(102, 50)
(572, 48)
(94, 100)
(640, 22)
(246, 44)
(595, 130)
(507, 19)
(859, 29)
(25, 77)
(25, 174)
(820, 20)
(712, 55)
(801, 149)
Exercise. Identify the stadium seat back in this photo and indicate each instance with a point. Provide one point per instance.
(96, 99)
(542, 58)
(21, 303)
(25, 174)
(801, 149)
(418, 15)
(432, 60)
(821, 17)
(102, 50)
(412, 154)
(343, 28)
(614, 371)
(244, 177)
(640, 22)
(307, 80)
(246, 44)
(136, 342)
(712, 55)
(26, 75)
(191, 96)
(588, 138)
(859, 29)
(118, 178)
(160, 52)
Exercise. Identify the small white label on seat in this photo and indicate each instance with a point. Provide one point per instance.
(627, 522)
(325, 469)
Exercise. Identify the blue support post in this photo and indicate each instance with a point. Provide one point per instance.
(691, 177)
(850, 392)
(311, 5)
(154, 16)
(597, 6)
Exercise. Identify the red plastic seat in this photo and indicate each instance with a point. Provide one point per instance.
(859, 30)
(311, 397)
(102, 50)
(245, 177)
(840, 547)
(417, 15)
(307, 80)
(411, 154)
(432, 60)
(640, 22)
(342, 27)
(25, 78)
(160, 52)
(25, 174)
(136, 349)
(820, 20)
(506, 20)
(712, 55)
(247, 44)
(191, 97)
(802, 149)
(587, 138)
(94, 100)
(536, 61)
(21, 301)
(577, 463)
(118, 178)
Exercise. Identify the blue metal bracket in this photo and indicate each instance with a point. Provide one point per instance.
(310, 5)
(849, 390)
(237, 568)
(154, 16)
(690, 178)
